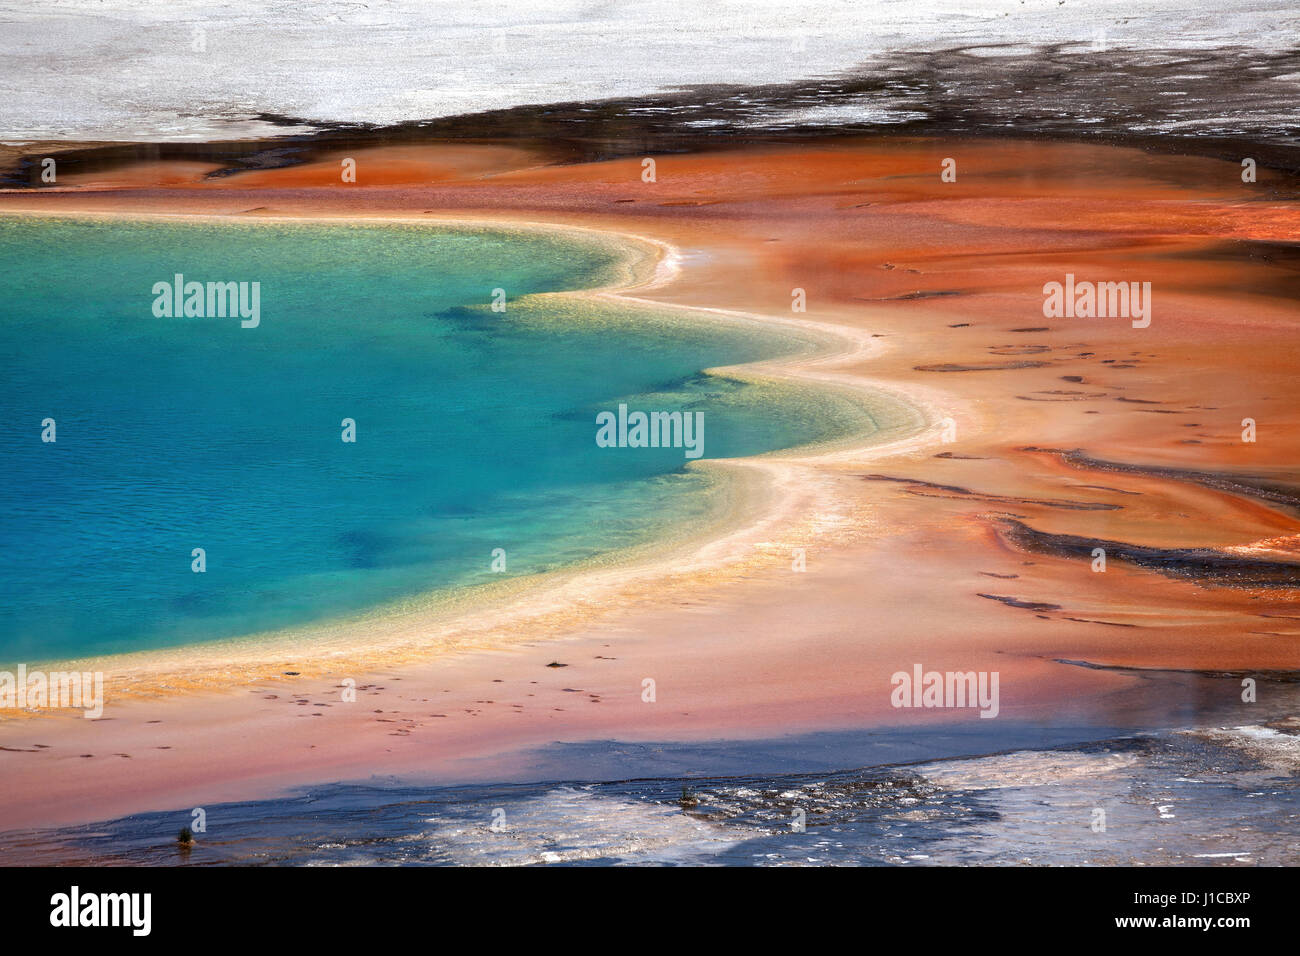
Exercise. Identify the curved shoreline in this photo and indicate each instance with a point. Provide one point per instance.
(765, 495)
(905, 558)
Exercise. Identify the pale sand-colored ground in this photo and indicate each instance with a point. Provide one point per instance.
(738, 644)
